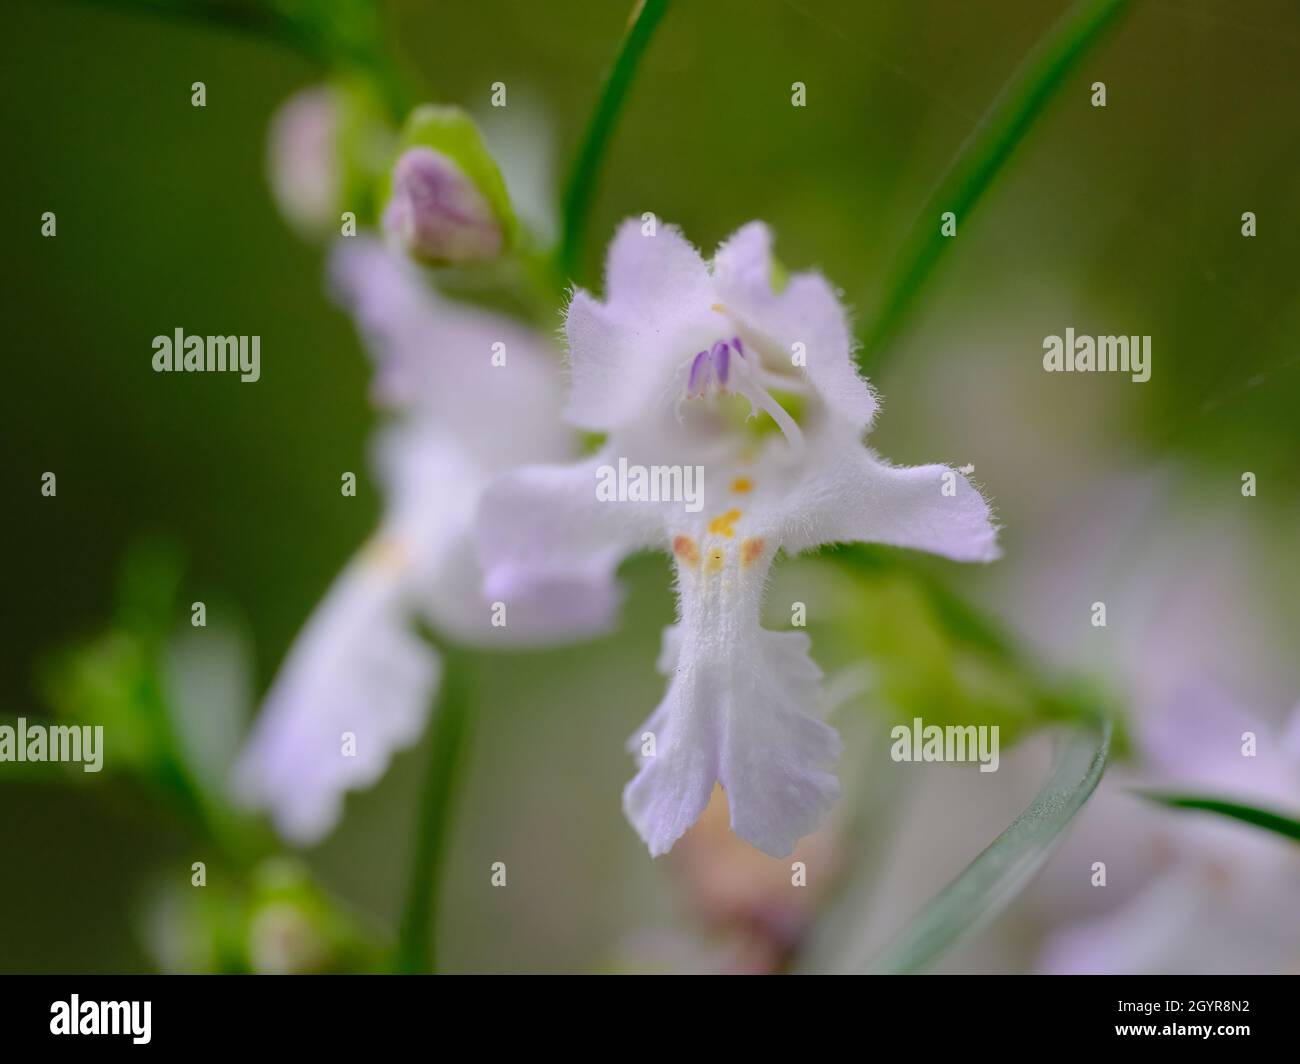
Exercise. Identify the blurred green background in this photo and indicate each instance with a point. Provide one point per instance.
(1124, 219)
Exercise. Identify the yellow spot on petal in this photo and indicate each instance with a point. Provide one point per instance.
(750, 549)
(387, 553)
(722, 524)
(685, 549)
(719, 307)
(741, 485)
(716, 557)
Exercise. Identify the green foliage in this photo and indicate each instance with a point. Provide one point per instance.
(415, 952)
(932, 655)
(982, 158)
(273, 920)
(114, 678)
(993, 880)
(365, 147)
(1280, 823)
(578, 190)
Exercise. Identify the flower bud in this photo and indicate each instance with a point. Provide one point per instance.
(303, 160)
(437, 213)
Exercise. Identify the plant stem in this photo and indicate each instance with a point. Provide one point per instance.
(576, 203)
(1267, 819)
(981, 158)
(415, 945)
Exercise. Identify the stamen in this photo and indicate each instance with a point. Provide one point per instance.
(716, 557)
(750, 549)
(721, 358)
(714, 369)
(692, 387)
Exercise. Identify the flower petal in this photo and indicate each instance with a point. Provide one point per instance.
(852, 496)
(356, 667)
(806, 312)
(483, 377)
(542, 529)
(1193, 741)
(610, 377)
(646, 274)
(1141, 936)
(740, 720)
(622, 351)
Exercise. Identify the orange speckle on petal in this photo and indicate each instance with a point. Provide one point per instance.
(741, 485)
(722, 524)
(685, 549)
(387, 553)
(750, 549)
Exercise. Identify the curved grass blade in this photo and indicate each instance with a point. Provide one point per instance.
(1001, 872)
(1267, 819)
(576, 204)
(979, 160)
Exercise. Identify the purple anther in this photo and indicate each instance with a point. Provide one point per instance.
(693, 387)
(721, 358)
(735, 342)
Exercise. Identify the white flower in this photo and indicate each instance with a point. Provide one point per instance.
(1197, 893)
(358, 682)
(671, 367)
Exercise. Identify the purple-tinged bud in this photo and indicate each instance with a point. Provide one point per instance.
(437, 213)
(303, 161)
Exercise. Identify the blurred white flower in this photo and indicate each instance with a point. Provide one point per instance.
(1211, 894)
(358, 682)
(303, 161)
(1189, 642)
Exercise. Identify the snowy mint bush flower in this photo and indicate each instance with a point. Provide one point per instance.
(358, 666)
(693, 365)
(1199, 893)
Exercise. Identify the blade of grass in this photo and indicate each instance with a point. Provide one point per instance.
(1001, 872)
(576, 203)
(416, 950)
(980, 159)
(1267, 819)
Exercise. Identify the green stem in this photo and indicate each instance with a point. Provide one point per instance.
(981, 158)
(586, 165)
(415, 945)
(1267, 819)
